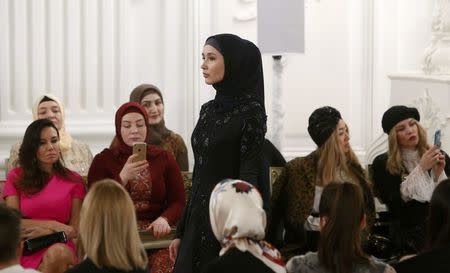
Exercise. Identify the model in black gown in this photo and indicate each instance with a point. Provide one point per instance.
(227, 143)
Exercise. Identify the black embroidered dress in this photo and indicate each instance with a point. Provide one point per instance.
(227, 143)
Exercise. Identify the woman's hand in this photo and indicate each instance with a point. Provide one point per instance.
(438, 168)
(131, 169)
(34, 232)
(430, 158)
(70, 231)
(173, 249)
(160, 227)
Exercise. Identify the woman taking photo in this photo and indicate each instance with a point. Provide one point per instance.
(48, 195)
(342, 219)
(117, 248)
(154, 184)
(150, 97)
(227, 141)
(297, 191)
(405, 177)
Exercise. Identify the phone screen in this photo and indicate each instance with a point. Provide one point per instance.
(437, 138)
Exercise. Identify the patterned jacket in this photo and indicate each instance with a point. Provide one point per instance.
(293, 198)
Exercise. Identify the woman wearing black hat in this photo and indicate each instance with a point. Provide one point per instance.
(227, 142)
(296, 193)
(405, 176)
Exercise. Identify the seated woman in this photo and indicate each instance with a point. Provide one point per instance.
(48, 195)
(297, 191)
(155, 184)
(117, 248)
(435, 256)
(151, 98)
(405, 177)
(342, 219)
(75, 155)
(238, 222)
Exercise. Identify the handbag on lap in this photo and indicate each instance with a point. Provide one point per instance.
(32, 245)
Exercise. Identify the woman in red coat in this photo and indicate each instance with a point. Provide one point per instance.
(155, 184)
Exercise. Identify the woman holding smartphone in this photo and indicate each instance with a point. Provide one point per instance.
(406, 176)
(154, 184)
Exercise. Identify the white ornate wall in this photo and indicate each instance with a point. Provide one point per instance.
(91, 53)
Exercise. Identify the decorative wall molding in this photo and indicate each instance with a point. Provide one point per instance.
(368, 69)
(429, 94)
(437, 55)
(246, 12)
(431, 115)
(430, 118)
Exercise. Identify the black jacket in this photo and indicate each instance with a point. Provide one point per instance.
(236, 261)
(407, 218)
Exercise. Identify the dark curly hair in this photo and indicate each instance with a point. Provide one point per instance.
(33, 178)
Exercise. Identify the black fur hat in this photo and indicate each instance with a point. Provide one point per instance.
(397, 113)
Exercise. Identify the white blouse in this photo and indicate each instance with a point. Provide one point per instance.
(312, 223)
(419, 184)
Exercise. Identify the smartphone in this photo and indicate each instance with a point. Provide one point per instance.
(140, 148)
(437, 138)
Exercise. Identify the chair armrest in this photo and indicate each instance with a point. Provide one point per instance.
(151, 242)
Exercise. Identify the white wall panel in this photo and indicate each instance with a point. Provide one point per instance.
(92, 53)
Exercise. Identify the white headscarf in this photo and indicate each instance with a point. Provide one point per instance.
(238, 220)
(65, 142)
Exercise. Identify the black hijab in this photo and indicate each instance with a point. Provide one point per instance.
(243, 79)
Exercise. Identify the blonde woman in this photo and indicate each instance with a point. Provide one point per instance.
(108, 231)
(405, 176)
(297, 192)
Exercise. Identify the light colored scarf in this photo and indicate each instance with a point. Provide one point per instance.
(238, 220)
(65, 140)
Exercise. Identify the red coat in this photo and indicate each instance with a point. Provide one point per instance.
(160, 195)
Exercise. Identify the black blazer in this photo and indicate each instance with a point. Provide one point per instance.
(407, 229)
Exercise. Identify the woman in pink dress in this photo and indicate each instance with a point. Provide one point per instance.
(48, 195)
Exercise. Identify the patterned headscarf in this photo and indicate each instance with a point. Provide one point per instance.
(238, 220)
(65, 140)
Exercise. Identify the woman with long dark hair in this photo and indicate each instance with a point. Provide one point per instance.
(342, 219)
(48, 195)
(75, 155)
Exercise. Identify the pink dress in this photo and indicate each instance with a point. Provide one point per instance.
(53, 202)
